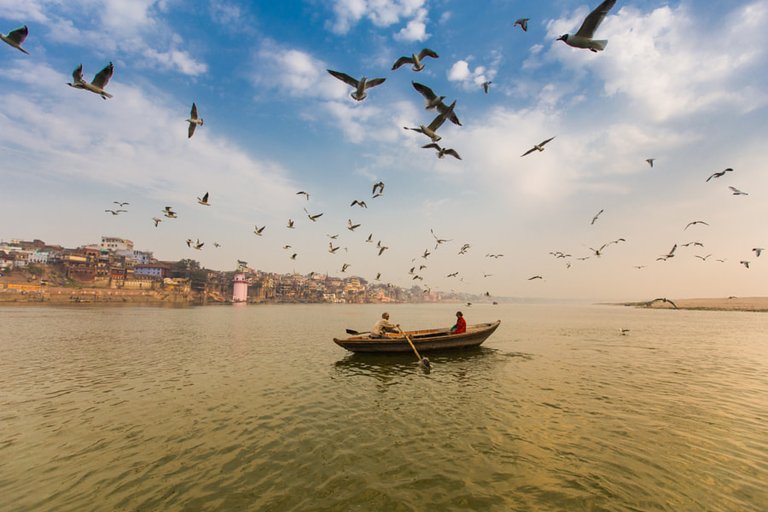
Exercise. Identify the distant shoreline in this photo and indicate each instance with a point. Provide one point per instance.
(750, 304)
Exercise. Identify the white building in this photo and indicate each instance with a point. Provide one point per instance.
(115, 244)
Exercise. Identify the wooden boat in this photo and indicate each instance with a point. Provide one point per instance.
(425, 340)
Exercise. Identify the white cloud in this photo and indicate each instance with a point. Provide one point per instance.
(294, 72)
(469, 78)
(382, 13)
(416, 29)
(668, 66)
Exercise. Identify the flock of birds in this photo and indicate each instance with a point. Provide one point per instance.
(433, 102)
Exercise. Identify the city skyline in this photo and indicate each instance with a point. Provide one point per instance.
(277, 123)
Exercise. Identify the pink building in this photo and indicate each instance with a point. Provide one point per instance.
(240, 289)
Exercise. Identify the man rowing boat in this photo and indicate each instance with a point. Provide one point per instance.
(383, 326)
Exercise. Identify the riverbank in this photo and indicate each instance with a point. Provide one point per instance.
(754, 304)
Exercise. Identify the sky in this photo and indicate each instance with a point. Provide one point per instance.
(683, 82)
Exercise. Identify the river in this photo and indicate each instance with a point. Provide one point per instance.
(255, 408)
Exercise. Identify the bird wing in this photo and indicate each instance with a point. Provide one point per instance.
(402, 60)
(453, 153)
(344, 77)
(424, 91)
(19, 35)
(193, 112)
(205, 197)
(77, 74)
(438, 121)
(712, 176)
(442, 108)
(191, 130)
(594, 19)
(374, 82)
(102, 77)
(528, 152)
(432, 145)
(546, 141)
(426, 52)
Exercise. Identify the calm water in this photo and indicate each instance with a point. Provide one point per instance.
(255, 408)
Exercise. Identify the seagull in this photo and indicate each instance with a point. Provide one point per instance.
(157, 220)
(703, 258)
(359, 85)
(199, 245)
(204, 200)
(344, 267)
(351, 226)
(216, 244)
(670, 254)
(663, 299)
(650, 161)
(314, 217)
(487, 275)
(758, 251)
(116, 212)
(441, 152)
(258, 230)
(378, 276)
(99, 81)
(452, 274)
(598, 252)
(361, 204)
(370, 239)
(745, 263)
(415, 59)
(290, 224)
(301, 192)
(439, 241)
(168, 212)
(331, 248)
(535, 277)
(194, 120)
(623, 332)
(286, 247)
(189, 242)
(431, 130)
(293, 256)
(695, 244)
(639, 267)
(121, 204)
(382, 248)
(432, 101)
(523, 23)
(537, 147)
(719, 174)
(737, 192)
(595, 217)
(693, 223)
(16, 37)
(378, 186)
(583, 38)
(486, 86)
(332, 237)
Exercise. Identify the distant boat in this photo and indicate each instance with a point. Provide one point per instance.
(425, 340)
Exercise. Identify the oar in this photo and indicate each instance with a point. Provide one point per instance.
(356, 333)
(423, 360)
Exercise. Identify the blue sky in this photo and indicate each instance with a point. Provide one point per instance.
(682, 82)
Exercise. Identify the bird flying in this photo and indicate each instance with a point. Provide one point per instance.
(16, 37)
(258, 230)
(415, 59)
(168, 212)
(361, 204)
(204, 200)
(301, 192)
(522, 23)
(351, 226)
(97, 85)
(737, 192)
(360, 86)
(433, 101)
(650, 161)
(595, 217)
(441, 151)
(537, 147)
(719, 174)
(378, 186)
(116, 212)
(486, 86)
(693, 223)
(431, 130)
(583, 38)
(312, 217)
(194, 121)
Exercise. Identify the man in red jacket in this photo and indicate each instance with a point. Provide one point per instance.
(461, 324)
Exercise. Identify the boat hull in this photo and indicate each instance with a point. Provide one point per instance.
(425, 341)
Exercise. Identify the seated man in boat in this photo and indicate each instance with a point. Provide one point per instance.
(461, 324)
(383, 326)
